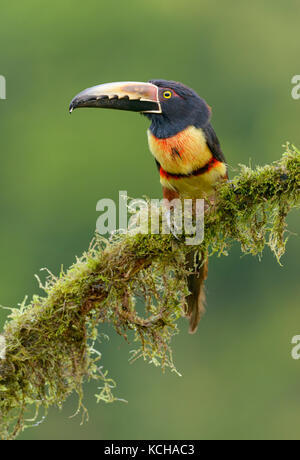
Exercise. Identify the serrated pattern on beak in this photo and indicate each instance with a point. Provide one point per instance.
(133, 91)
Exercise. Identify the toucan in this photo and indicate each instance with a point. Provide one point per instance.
(183, 142)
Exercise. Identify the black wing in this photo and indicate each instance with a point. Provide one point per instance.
(213, 143)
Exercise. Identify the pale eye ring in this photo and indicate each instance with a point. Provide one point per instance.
(167, 94)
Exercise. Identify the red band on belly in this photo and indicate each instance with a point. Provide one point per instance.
(197, 172)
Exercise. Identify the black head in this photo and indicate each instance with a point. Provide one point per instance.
(170, 106)
(180, 107)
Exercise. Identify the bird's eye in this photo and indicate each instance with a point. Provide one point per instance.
(167, 94)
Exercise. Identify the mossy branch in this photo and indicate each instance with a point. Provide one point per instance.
(48, 345)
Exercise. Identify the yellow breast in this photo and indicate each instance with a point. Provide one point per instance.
(187, 164)
(201, 186)
(182, 153)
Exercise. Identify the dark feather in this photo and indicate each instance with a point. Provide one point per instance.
(196, 299)
(213, 143)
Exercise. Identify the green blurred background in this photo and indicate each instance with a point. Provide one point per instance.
(239, 380)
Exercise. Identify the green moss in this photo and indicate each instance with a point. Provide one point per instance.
(50, 341)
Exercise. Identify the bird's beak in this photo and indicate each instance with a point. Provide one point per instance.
(126, 95)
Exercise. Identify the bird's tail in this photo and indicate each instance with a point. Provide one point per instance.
(196, 285)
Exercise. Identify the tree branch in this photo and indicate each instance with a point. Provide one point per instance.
(48, 345)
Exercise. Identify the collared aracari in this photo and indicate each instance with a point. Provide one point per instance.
(186, 149)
